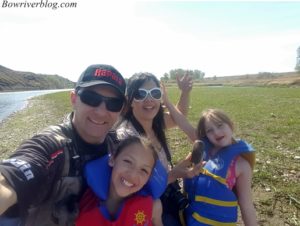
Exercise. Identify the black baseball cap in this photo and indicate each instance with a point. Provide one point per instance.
(102, 74)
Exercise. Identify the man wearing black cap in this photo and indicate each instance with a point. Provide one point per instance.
(41, 182)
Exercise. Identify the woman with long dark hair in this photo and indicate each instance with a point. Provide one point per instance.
(145, 116)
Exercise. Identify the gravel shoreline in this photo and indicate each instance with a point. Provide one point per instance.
(39, 113)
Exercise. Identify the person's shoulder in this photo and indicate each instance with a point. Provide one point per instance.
(243, 144)
(56, 132)
(123, 124)
(243, 166)
(112, 137)
(247, 152)
(49, 140)
(125, 129)
(62, 131)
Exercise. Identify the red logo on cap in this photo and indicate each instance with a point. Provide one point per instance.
(107, 73)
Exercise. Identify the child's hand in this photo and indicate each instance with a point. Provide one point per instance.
(185, 169)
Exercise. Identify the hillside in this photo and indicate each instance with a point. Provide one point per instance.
(286, 79)
(11, 80)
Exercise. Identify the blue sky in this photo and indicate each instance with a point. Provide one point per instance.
(220, 38)
(226, 18)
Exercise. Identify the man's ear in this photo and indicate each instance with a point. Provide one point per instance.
(73, 97)
(111, 161)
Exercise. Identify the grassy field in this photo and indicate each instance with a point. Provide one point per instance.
(268, 118)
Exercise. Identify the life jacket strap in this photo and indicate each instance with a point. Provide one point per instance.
(211, 222)
(216, 202)
(214, 176)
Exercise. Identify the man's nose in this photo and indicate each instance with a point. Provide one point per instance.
(101, 109)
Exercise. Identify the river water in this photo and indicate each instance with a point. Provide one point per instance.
(11, 102)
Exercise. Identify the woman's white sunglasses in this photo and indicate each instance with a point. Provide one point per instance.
(142, 94)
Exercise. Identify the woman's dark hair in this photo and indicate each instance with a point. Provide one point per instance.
(158, 125)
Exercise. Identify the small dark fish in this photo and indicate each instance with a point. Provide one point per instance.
(198, 150)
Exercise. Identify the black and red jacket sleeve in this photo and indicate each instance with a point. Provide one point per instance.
(33, 168)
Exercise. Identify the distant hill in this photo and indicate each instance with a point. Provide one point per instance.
(11, 80)
(283, 79)
(280, 79)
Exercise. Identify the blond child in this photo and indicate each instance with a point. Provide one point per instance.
(225, 180)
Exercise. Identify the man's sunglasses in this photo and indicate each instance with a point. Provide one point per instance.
(142, 94)
(93, 99)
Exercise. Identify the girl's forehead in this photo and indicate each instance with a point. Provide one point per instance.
(133, 149)
(213, 120)
(138, 152)
(130, 147)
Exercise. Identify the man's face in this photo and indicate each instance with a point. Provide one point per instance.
(93, 123)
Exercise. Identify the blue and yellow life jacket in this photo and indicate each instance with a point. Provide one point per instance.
(211, 201)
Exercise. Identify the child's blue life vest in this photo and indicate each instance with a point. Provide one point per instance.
(211, 201)
(98, 175)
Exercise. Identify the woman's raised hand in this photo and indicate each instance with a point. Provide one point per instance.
(185, 83)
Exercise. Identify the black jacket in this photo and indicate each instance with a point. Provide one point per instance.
(46, 173)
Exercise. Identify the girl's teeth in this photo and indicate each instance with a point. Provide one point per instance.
(127, 183)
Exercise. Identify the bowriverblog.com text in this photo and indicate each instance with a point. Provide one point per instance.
(38, 4)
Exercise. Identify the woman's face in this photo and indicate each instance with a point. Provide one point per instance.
(147, 109)
(131, 170)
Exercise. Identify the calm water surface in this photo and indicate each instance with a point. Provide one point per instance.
(11, 102)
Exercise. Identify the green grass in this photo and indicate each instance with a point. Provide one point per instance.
(268, 118)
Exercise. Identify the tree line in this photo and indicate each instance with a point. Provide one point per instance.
(195, 74)
(199, 75)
